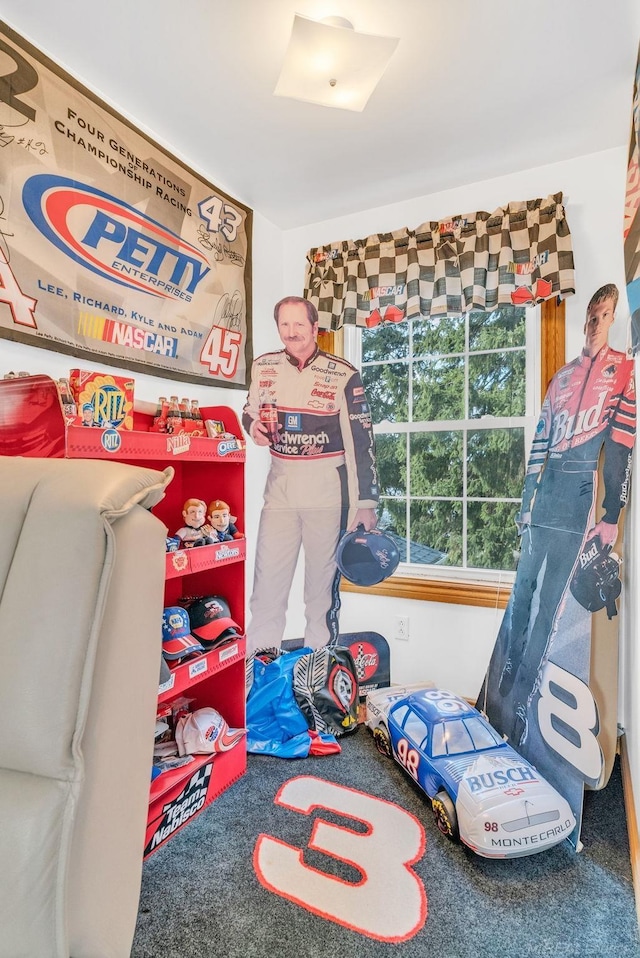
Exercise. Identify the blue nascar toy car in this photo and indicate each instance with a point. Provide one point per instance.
(482, 792)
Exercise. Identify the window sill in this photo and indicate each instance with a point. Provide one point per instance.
(455, 592)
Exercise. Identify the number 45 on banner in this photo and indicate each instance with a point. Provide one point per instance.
(221, 350)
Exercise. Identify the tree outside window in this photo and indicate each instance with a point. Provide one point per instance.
(451, 399)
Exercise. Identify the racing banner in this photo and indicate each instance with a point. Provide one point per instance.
(111, 249)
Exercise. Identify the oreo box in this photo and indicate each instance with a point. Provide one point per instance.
(103, 400)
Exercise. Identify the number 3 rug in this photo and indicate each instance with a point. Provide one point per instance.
(339, 855)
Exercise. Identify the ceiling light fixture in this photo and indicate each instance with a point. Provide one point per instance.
(328, 63)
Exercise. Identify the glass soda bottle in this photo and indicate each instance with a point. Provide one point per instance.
(174, 417)
(196, 418)
(159, 420)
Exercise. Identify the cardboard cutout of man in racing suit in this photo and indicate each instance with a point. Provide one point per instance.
(310, 408)
(590, 404)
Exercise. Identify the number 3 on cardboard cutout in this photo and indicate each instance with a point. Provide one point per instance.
(389, 902)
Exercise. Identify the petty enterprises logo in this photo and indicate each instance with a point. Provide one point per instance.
(111, 238)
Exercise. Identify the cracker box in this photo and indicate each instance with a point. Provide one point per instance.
(103, 399)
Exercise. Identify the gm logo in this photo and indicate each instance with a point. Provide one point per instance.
(112, 239)
(111, 440)
(293, 422)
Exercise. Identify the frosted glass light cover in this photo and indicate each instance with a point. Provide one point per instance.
(333, 65)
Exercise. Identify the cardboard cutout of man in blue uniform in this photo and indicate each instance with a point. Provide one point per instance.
(536, 691)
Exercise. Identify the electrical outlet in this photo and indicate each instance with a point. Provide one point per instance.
(402, 628)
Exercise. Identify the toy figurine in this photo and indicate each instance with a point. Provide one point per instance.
(195, 531)
(221, 522)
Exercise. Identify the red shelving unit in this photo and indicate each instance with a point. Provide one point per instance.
(32, 423)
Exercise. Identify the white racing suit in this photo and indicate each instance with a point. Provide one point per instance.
(590, 404)
(322, 463)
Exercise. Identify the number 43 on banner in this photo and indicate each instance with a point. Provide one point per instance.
(221, 350)
(220, 217)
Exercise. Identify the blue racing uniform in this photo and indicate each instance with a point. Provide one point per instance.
(590, 404)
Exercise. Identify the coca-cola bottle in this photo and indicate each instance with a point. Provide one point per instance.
(197, 425)
(159, 423)
(174, 416)
(269, 415)
(69, 405)
(185, 412)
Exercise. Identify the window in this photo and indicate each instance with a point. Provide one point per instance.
(451, 400)
(457, 738)
(483, 735)
(438, 741)
(470, 585)
(415, 729)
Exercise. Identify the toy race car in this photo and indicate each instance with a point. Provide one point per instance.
(482, 792)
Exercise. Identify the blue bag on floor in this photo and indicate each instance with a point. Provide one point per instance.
(275, 723)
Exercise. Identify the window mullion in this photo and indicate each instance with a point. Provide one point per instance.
(464, 440)
(407, 450)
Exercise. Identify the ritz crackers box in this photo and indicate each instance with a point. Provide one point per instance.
(102, 399)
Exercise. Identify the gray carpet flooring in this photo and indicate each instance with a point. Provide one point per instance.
(201, 897)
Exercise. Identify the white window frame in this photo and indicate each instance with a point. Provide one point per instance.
(352, 345)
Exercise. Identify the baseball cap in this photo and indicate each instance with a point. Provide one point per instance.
(205, 731)
(177, 640)
(210, 620)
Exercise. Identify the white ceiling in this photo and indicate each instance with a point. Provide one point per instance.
(476, 89)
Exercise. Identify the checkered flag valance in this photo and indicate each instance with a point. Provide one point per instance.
(520, 254)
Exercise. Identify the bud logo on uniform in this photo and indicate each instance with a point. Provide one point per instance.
(569, 427)
(111, 238)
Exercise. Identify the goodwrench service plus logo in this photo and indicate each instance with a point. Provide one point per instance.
(111, 238)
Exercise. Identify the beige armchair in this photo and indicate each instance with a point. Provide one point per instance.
(81, 595)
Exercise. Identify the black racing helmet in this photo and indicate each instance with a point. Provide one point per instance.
(366, 558)
(596, 584)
